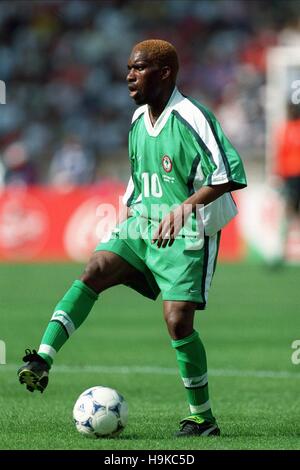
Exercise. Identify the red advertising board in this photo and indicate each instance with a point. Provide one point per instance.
(48, 224)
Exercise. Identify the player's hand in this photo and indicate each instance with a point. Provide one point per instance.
(169, 227)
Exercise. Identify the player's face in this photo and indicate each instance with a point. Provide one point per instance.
(144, 78)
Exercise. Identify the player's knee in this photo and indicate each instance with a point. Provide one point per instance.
(179, 323)
(94, 273)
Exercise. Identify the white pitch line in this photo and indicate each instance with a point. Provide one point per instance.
(98, 369)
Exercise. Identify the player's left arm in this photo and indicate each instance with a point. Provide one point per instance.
(171, 225)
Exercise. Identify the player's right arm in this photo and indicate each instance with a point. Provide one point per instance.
(171, 225)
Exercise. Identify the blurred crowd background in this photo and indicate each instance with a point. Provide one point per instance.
(68, 112)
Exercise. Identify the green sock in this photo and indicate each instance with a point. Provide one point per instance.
(191, 358)
(68, 315)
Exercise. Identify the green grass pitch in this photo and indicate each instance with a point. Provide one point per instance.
(248, 328)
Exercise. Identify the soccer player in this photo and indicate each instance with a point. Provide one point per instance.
(181, 161)
(287, 168)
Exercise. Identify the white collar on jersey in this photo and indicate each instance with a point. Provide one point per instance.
(153, 131)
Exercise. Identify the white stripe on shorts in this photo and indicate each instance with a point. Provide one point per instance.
(212, 253)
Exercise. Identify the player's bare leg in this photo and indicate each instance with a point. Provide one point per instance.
(191, 358)
(292, 222)
(105, 269)
(288, 222)
(179, 317)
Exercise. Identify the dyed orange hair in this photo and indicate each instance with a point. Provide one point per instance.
(162, 52)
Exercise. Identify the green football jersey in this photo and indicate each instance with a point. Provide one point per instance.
(185, 150)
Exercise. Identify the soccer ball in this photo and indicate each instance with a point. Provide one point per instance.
(100, 412)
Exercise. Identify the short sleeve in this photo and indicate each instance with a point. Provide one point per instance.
(222, 158)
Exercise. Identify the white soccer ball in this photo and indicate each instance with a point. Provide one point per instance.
(100, 412)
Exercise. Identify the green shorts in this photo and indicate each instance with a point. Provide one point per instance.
(178, 272)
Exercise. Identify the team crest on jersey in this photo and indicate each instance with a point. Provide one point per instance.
(167, 163)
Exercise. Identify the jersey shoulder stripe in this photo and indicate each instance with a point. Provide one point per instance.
(192, 175)
(209, 117)
(193, 131)
(194, 116)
